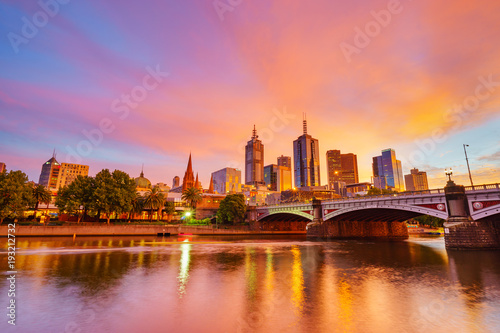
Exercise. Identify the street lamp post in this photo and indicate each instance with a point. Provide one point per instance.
(468, 168)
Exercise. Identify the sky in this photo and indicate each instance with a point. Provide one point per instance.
(119, 84)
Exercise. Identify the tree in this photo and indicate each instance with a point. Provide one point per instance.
(154, 200)
(137, 205)
(77, 197)
(430, 220)
(169, 209)
(113, 192)
(377, 191)
(41, 195)
(232, 208)
(192, 196)
(16, 194)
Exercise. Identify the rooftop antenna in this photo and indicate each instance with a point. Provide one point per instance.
(254, 133)
(142, 170)
(304, 124)
(54, 153)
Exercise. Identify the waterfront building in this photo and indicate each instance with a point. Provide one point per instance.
(285, 161)
(2, 167)
(341, 167)
(306, 159)
(162, 187)
(277, 177)
(227, 180)
(416, 180)
(387, 172)
(143, 185)
(357, 189)
(68, 173)
(254, 161)
(188, 180)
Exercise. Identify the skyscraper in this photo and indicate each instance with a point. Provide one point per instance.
(68, 173)
(387, 172)
(176, 181)
(254, 161)
(342, 167)
(306, 159)
(2, 167)
(50, 173)
(416, 180)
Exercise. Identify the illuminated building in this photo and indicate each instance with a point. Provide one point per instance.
(416, 180)
(254, 161)
(285, 161)
(68, 173)
(2, 167)
(50, 173)
(341, 167)
(277, 177)
(306, 159)
(227, 180)
(387, 172)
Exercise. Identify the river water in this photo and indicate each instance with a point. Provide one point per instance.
(241, 284)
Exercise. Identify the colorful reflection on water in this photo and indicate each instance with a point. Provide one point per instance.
(267, 284)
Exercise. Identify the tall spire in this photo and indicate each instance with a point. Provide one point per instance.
(254, 133)
(142, 170)
(304, 124)
(190, 166)
(211, 186)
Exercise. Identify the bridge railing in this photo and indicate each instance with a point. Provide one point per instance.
(483, 187)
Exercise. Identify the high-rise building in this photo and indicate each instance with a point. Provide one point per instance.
(278, 177)
(50, 173)
(2, 167)
(341, 167)
(306, 159)
(176, 181)
(416, 180)
(387, 172)
(349, 164)
(254, 161)
(285, 161)
(227, 180)
(68, 173)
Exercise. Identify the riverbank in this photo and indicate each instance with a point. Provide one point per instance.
(130, 230)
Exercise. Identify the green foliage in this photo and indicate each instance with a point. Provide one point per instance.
(16, 194)
(232, 209)
(41, 195)
(154, 200)
(429, 220)
(192, 196)
(113, 192)
(377, 191)
(137, 204)
(198, 222)
(77, 197)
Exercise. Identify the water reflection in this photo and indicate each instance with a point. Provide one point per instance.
(184, 268)
(276, 284)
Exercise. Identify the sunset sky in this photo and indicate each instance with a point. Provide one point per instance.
(423, 80)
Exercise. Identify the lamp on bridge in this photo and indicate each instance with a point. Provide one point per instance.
(448, 173)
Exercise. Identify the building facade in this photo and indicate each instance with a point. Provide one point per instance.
(416, 180)
(2, 167)
(277, 177)
(341, 167)
(50, 173)
(176, 181)
(306, 160)
(254, 161)
(387, 172)
(68, 173)
(285, 161)
(227, 180)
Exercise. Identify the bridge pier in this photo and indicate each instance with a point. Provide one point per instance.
(460, 231)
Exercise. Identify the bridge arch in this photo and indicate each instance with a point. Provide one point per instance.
(487, 212)
(399, 212)
(272, 215)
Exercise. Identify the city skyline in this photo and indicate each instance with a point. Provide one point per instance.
(208, 77)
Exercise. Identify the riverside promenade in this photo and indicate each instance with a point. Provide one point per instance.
(129, 230)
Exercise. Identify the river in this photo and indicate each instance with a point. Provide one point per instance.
(249, 284)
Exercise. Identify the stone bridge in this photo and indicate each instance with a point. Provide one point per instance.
(472, 215)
